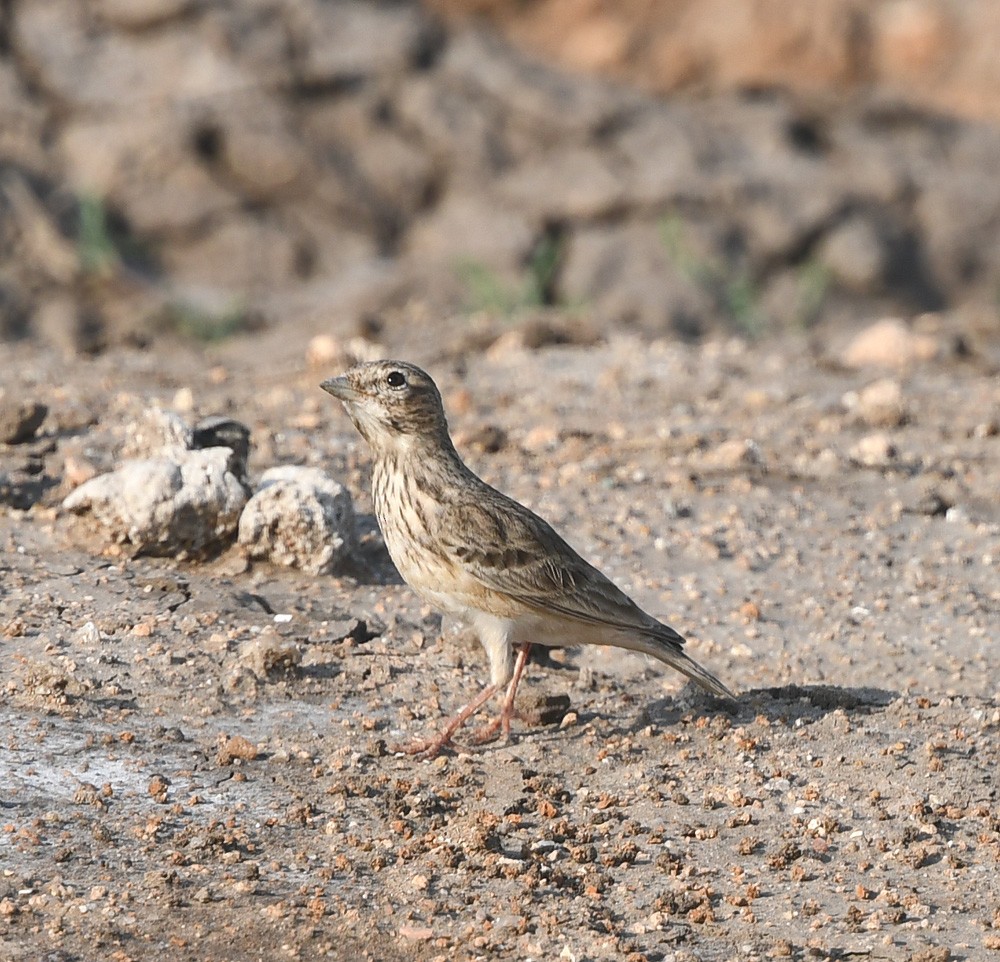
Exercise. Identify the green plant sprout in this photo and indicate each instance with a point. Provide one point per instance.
(736, 293)
(208, 326)
(97, 250)
(486, 291)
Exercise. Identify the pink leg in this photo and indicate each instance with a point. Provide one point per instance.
(507, 711)
(431, 746)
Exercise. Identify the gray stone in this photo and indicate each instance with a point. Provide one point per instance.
(261, 158)
(143, 164)
(51, 40)
(879, 404)
(573, 184)
(20, 419)
(596, 259)
(56, 321)
(22, 124)
(855, 254)
(874, 451)
(156, 432)
(269, 151)
(400, 176)
(268, 653)
(780, 214)
(109, 71)
(878, 169)
(140, 14)
(301, 518)
(335, 303)
(45, 251)
(181, 504)
(256, 34)
(733, 454)
(248, 254)
(791, 299)
(625, 275)
(219, 431)
(381, 169)
(325, 245)
(454, 234)
(549, 104)
(750, 174)
(959, 215)
(465, 131)
(351, 39)
(659, 163)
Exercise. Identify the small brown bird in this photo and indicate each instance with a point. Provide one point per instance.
(468, 549)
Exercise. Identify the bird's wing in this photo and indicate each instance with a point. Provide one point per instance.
(512, 551)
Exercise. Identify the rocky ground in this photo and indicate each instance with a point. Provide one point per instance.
(198, 756)
(655, 321)
(926, 52)
(208, 167)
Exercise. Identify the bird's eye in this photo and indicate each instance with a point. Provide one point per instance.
(395, 379)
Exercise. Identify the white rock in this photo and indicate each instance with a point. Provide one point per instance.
(87, 635)
(268, 652)
(326, 351)
(178, 504)
(299, 517)
(735, 453)
(880, 404)
(184, 399)
(154, 433)
(323, 350)
(888, 343)
(855, 253)
(874, 450)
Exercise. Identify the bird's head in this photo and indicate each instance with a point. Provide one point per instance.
(391, 403)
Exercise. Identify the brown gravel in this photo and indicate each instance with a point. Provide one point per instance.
(164, 793)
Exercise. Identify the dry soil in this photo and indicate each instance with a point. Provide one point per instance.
(197, 759)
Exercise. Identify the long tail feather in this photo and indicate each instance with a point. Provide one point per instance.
(669, 648)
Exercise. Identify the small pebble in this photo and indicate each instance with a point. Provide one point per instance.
(20, 420)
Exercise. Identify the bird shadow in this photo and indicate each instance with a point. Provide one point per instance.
(370, 564)
(781, 703)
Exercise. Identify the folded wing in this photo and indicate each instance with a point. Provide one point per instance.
(511, 551)
(520, 555)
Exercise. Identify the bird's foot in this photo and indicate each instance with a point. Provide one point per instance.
(424, 747)
(431, 747)
(488, 732)
(498, 729)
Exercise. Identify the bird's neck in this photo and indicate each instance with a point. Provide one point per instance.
(419, 452)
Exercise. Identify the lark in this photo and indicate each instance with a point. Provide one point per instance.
(469, 550)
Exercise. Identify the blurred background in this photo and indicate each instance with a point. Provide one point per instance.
(395, 169)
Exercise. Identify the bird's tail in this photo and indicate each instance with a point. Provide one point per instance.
(669, 648)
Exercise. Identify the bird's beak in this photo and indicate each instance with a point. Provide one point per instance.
(341, 389)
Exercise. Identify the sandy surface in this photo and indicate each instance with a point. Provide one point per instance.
(186, 772)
